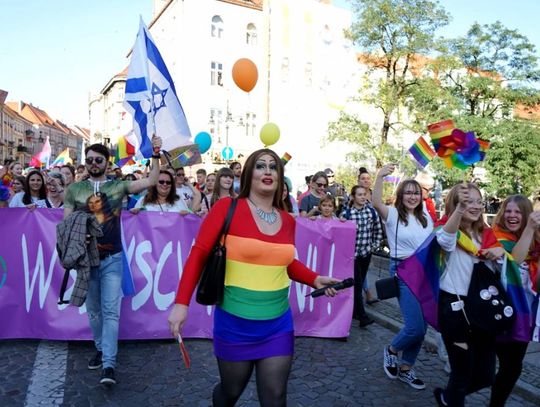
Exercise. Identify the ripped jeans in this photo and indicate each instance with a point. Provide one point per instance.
(471, 352)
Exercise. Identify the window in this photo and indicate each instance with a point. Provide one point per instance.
(215, 120)
(285, 70)
(217, 27)
(251, 34)
(308, 74)
(250, 124)
(216, 73)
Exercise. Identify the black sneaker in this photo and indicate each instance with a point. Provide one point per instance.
(390, 364)
(107, 376)
(438, 393)
(408, 376)
(96, 361)
(365, 321)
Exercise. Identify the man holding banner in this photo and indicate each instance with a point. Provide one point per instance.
(103, 198)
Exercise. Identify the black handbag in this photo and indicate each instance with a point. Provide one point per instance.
(488, 306)
(388, 287)
(212, 281)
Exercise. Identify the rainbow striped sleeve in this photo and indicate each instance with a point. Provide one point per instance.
(256, 279)
(422, 152)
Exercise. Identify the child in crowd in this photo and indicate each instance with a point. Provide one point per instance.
(327, 208)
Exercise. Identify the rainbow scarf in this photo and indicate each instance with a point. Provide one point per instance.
(423, 269)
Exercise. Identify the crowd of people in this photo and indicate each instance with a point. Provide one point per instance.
(253, 328)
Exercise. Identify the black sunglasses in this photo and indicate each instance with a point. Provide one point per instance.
(90, 160)
(320, 184)
(163, 182)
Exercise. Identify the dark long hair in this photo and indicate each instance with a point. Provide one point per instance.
(27, 197)
(287, 200)
(247, 176)
(152, 194)
(525, 207)
(402, 209)
(217, 187)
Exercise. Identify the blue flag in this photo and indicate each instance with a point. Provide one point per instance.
(152, 100)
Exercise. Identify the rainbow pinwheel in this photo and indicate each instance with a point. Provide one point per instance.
(457, 148)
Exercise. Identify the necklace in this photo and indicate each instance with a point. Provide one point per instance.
(268, 217)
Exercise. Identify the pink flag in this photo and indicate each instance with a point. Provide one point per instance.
(42, 158)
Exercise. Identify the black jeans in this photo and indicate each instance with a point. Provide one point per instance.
(510, 355)
(361, 265)
(471, 352)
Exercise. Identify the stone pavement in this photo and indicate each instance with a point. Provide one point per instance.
(387, 314)
(325, 373)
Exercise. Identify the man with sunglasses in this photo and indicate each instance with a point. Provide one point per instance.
(105, 285)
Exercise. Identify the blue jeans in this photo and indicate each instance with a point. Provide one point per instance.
(409, 339)
(103, 306)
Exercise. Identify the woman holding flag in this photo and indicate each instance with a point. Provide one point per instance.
(516, 226)
(407, 226)
(466, 240)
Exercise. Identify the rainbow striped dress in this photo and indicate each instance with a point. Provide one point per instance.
(254, 320)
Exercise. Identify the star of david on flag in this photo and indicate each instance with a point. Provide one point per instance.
(152, 100)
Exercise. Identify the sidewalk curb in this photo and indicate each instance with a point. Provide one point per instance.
(521, 388)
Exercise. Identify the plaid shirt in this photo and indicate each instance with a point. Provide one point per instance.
(369, 233)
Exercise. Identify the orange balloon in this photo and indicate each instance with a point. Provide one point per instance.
(245, 74)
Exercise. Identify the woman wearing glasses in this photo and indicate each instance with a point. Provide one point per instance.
(309, 206)
(55, 190)
(162, 197)
(407, 226)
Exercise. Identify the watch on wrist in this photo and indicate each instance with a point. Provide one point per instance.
(156, 156)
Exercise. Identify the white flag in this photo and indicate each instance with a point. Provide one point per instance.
(151, 98)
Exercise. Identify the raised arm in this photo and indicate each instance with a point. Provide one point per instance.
(376, 195)
(521, 249)
(152, 179)
(452, 225)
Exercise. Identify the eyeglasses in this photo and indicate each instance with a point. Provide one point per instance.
(163, 182)
(478, 202)
(321, 184)
(412, 193)
(98, 160)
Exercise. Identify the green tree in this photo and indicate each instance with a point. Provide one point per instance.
(479, 82)
(392, 33)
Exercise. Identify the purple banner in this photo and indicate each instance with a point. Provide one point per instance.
(156, 247)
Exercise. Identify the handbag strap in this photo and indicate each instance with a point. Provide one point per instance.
(228, 220)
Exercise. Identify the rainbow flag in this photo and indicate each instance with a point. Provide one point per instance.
(441, 132)
(422, 270)
(43, 157)
(124, 152)
(484, 146)
(523, 301)
(422, 152)
(286, 158)
(62, 159)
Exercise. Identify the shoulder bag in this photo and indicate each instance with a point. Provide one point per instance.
(212, 281)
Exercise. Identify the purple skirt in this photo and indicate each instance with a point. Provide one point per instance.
(237, 339)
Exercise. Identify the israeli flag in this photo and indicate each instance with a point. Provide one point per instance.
(151, 99)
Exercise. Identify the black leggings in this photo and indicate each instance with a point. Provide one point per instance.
(510, 355)
(272, 375)
(361, 266)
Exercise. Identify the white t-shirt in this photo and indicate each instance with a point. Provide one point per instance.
(456, 277)
(186, 194)
(178, 206)
(410, 237)
(17, 201)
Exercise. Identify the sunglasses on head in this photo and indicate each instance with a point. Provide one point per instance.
(98, 160)
(164, 182)
(320, 184)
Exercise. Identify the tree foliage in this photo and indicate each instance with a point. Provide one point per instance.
(391, 33)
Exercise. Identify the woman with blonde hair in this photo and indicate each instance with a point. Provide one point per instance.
(466, 240)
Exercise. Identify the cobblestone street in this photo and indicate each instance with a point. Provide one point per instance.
(325, 373)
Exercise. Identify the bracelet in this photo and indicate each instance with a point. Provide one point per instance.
(156, 156)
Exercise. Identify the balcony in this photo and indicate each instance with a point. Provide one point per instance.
(22, 149)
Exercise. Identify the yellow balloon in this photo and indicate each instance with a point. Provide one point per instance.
(269, 134)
